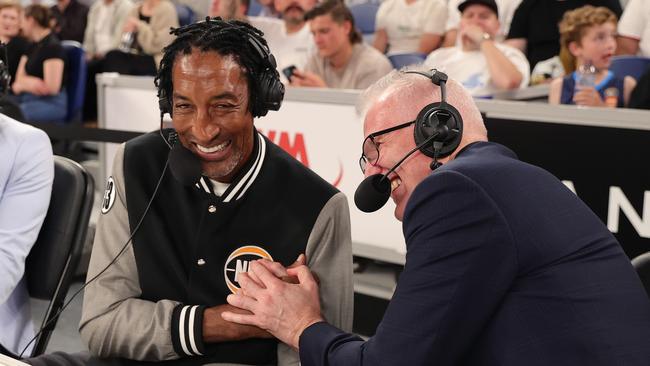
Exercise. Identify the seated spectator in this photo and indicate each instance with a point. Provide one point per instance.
(640, 97)
(10, 16)
(479, 62)
(69, 20)
(588, 39)
(343, 60)
(103, 34)
(408, 26)
(26, 175)
(634, 29)
(506, 11)
(289, 38)
(39, 87)
(144, 35)
(229, 9)
(534, 25)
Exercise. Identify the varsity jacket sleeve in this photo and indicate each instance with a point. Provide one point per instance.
(114, 321)
(329, 256)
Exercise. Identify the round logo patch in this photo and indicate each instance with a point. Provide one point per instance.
(239, 261)
(109, 195)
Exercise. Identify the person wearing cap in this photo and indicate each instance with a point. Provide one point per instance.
(483, 65)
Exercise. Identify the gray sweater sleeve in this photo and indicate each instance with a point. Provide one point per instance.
(114, 321)
(329, 255)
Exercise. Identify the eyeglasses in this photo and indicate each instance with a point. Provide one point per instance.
(370, 149)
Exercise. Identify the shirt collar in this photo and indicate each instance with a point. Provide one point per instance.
(245, 178)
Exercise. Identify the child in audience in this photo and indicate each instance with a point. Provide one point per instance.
(588, 41)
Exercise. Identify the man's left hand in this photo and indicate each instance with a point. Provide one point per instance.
(283, 309)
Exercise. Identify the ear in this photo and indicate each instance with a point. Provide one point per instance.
(575, 48)
(347, 26)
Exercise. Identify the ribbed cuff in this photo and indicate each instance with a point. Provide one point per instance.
(187, 330)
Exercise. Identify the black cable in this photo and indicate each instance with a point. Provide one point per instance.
(135, 230)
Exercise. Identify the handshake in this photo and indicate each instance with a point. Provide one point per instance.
(282, 301)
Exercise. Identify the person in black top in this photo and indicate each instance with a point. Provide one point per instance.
(640, 98)
(16, 44)
(39, 84)
(534, 26)
(70, 17)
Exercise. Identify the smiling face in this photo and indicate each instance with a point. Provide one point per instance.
(597, 45)
(210, 112)
(389, 111)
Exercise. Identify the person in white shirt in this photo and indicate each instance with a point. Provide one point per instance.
(506, 12)
(103, 34)
(289, 38)
(634, 29)
(478, 61)
(408, 26)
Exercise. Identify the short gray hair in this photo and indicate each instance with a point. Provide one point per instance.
(413, 87)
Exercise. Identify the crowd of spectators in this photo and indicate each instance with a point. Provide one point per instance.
(489, 46)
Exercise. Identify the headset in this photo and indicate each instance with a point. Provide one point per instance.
(440, 119)
(437, 133)
(270, 90)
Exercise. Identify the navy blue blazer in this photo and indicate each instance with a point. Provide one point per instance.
(504, 266)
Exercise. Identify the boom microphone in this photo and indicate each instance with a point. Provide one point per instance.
(373, 192)
(185, 166)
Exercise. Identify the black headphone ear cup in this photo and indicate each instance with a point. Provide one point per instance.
(443, 119)
(270, 93)
(164, 104)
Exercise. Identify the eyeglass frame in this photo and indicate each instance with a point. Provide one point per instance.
(363, 160)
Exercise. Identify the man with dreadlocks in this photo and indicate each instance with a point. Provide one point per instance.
(163, 296)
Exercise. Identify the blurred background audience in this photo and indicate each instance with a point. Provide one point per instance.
(102, 35)
(10, 34)
(406, 26)
(506, 11)
(342, 60)
(69, 17)
(634, 29)
(478, 61)
(588, 42)
(39, 86)
(144, 34)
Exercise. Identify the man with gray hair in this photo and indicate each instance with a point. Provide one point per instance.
(504, 264)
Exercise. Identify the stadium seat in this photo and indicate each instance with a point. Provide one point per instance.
(642, 266)
(406, 59)
(52, 262)
(254, 8)
(75, 83)
(185, 14)
(364, 17)
(633, 66)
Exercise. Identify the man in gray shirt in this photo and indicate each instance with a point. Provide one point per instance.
(343, 60)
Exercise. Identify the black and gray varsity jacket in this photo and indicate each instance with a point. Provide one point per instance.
(191, 246)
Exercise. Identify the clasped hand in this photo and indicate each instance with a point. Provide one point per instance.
(283, 308)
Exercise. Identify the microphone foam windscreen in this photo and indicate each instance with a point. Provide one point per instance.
(372, 193)
(185, 166)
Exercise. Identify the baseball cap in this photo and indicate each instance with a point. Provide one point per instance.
(489, 3)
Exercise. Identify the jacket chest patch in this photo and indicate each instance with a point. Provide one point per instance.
(239, 261)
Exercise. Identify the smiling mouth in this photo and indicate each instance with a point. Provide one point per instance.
(213, 149)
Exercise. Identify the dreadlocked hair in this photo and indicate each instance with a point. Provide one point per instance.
(227, 38)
